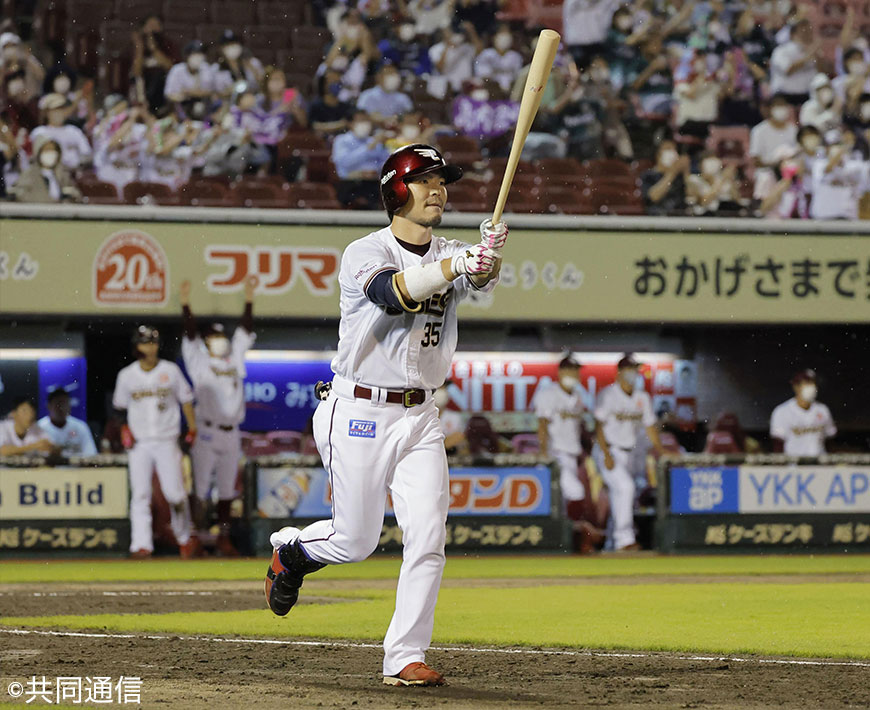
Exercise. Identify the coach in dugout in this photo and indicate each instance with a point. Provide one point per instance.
(71, 435)
(20, 434)
(799, 426)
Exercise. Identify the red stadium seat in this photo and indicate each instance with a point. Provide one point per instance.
(259, 445)
(134, 11)
(566, 199)
(205, 193)
(286, 441)
(313, 196)
(526, 444)
(257, 193)
(234, 13)
(608, 167)
(460, 150)
(138, 192)
(96, 192)
(721, 442)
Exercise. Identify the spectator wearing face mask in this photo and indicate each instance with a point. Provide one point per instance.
(169, 152)
(385, 101)
(840, 179)
(580, 120)
(793, 64)
(17, 57)
(664, 186)
(235, 64)
(850, 86)
(75, 149)
(824, 110)
(352, 55)
(46, 180)
(799, 426)
(785, 188)
(358, 156)
(190, 85)
(431, 16)
(713, 189)
(413, 128)
(779, 129)
(120, 142)
(405, 51)
(499, 62)
(153, 56)
(327, 113)
(20, 109)
(585, 26)
(740, 81)
(62, 80)
(453, 59)
(649, 81)
(809, 142)
(859, 122)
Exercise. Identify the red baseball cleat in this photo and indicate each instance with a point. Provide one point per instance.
(190, 549)
(225, 546)
(415, 674)
(140, 554)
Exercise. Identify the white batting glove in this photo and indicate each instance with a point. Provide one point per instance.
(477, 260)
(492, 235)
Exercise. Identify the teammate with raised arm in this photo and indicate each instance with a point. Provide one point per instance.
(377, 428)
(216, 366)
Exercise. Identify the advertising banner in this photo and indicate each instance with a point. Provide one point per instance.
(279, 395)
(121, 267)
(770, 489)
(63, 493)
(291, 492)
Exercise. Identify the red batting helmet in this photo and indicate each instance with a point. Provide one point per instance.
(408, 162)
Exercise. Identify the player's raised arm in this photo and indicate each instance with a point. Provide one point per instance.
(188, 320)
(247, 321)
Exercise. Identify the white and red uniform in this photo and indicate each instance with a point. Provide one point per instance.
(563, 412)
(9, 437)
(152, 401)
(220, 407)
(803, 431)
(371, 447)
(622, 417)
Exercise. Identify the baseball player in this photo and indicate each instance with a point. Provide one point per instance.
(800, 425)
(216, 366)
(559, 409)
(622, 411)
(377, 428)
(71, 435)
(20, 435)
(151, 390)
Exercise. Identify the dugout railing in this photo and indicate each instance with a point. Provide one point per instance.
(768, 503)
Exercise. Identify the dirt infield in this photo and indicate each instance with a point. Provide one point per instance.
(206, 672)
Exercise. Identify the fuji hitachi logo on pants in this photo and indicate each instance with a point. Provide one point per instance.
(68, 494)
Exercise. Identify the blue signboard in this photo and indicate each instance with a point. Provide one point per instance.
(280, 394)
(705, 490)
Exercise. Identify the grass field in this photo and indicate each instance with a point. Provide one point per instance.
(804, 606)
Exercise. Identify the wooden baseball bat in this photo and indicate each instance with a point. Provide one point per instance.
(539, 72)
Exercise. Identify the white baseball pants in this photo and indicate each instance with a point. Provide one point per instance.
(164, 456)
(620, 488)
(369, 450)
(215, 455)
(569, 483)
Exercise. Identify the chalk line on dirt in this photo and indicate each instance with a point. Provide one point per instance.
(453, 649)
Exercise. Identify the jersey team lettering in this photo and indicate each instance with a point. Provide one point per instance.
(362, 429)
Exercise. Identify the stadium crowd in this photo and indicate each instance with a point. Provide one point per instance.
(698, 107)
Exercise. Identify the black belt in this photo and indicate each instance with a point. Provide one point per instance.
(222, 427)
(407, 398)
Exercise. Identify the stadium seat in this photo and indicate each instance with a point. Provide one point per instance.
(526, 444)
(460, 150)
(259, 193)
(721, 442)
(134, 11)
(545, 13)
(187, 12)
(566, 170)
(235, 13)
(286, 441)
(259, 445)
(141, 193)
(309, 446)
(670, 443)
(310, 37)
(96, 192)
(608, 167)
(312, 196)
(205, 193)
(279, 14)
(468, 196)
(209, 34)
(566, 199)
(615, 199)
(266, 37)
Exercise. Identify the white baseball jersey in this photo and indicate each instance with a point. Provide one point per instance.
(803, 430)
(74, 438)
(9, 437)
(152, 399)
(563, 412)
(623, 415)
(408, 350)
(218, 381)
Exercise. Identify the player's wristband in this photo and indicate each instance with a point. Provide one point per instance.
(424, 280)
